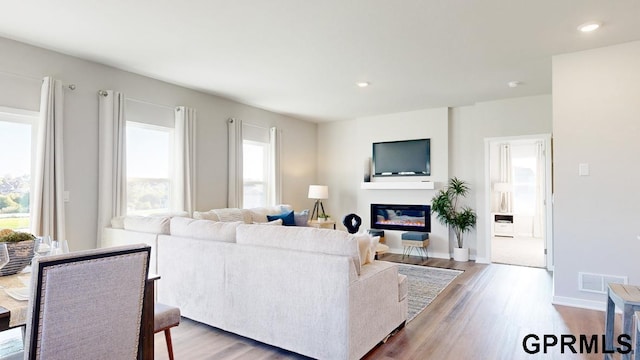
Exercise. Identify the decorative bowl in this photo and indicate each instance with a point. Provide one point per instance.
(20, 255)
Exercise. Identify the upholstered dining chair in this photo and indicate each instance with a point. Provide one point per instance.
(164, 318)
(87, 304)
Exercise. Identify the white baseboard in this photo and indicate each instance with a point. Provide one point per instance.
(482, 260)
(579, 303)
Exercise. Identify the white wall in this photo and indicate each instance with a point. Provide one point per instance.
(81, 129)
(596, 113)
(457, 149)
(342, 166)
(469, 127)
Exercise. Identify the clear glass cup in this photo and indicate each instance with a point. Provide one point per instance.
(44, 245)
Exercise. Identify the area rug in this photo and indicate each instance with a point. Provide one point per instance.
(425, 283)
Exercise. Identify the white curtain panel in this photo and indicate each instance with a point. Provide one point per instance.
(505, 173)
(47, 204)
(112, 177)
(538, 215)
(274, 196)
(184, 186)
(235, 163)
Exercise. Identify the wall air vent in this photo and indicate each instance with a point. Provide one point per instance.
(597, 283)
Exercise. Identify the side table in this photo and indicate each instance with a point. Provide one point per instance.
(627, 298)
(322, 224)
(417, 240)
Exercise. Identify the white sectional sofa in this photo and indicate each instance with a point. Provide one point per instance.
(312, 291)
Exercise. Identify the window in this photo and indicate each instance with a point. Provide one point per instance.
(149, 154)
(523, 159)
(17, 134)
(255, 172)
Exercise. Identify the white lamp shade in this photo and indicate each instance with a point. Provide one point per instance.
(318, 192)
(502, 187)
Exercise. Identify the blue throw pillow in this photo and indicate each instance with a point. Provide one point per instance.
(287, 218)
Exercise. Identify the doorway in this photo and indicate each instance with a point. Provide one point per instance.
(518, 200)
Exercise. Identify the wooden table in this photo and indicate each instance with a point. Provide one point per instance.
(13, 313)
(627, 298)
(322, 224)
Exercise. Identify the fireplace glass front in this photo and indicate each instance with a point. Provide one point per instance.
(401, 217)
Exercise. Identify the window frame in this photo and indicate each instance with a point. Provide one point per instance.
(29, 117)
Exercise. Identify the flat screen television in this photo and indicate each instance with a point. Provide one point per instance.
(402, 158)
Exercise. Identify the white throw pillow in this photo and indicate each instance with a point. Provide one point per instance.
(206, 215)
(367, 247)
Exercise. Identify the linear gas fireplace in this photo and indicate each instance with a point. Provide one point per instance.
(401, 217)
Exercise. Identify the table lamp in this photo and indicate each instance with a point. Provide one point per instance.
(318, 192)
(503, 188)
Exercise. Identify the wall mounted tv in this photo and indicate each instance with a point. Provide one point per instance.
(402, 158)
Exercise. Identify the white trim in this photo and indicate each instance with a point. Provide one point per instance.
(579, 303)
(18, 112)
(404, 185)
(483, 260)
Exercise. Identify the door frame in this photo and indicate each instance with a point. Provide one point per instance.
(548, 185)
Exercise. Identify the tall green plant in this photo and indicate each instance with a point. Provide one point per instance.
(445, 206)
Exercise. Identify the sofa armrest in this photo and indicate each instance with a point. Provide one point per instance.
(375, 307)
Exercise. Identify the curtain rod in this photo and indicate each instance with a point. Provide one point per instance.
(105, 93)
(28, 77)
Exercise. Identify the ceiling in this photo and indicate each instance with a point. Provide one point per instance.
(303, 58)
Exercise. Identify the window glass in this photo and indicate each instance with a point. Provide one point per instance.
(255, 167)
(523, 159)
(149, 151)
(16, 141)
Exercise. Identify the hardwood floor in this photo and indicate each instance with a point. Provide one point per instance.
(483, 314)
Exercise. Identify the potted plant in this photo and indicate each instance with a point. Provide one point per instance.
(20, 246)
(324, 217)
(460, 219)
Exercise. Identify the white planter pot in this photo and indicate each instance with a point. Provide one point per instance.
(460, 254)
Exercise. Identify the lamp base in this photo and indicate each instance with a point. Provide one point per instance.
(316, 210)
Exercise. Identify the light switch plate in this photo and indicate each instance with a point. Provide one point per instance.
(583, 169)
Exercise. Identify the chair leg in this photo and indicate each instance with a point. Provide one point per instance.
(167, 337)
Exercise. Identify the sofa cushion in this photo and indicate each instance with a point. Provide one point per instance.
(286, 217)
(204, 229)
(308, 239)
(148, 224)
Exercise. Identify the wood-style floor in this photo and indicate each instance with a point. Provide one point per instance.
(483, 314)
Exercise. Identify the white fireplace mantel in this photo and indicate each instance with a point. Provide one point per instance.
(398, 185)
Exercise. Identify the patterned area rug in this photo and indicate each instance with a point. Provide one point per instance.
(425, 283)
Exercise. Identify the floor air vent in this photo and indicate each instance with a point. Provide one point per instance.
(597, 283)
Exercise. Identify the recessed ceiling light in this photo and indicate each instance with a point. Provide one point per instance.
(513, 84)
(362, 84)
(589, 26)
